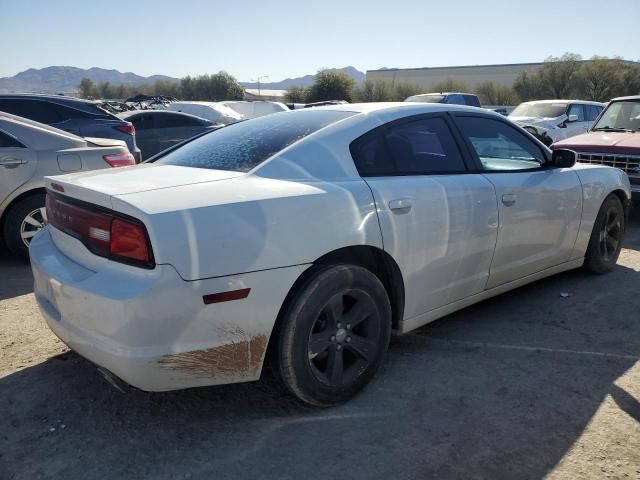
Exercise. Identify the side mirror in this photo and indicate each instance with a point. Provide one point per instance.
(562, 158)
(572, 118)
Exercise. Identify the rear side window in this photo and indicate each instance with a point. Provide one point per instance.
(36, 110)
(472, 100)
(592, 112)
(7, 141)
(418, 147)
(170, 120)
(244, 145)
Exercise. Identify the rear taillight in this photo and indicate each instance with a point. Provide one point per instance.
(119, 159)
(129, 129)
(104, 233)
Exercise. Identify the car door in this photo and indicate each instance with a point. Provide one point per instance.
(17, 164)
(540, 207)
(581, 125)
(438, 220)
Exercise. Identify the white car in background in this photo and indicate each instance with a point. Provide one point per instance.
(554, 120)
(213, 111)
(28, 152)
(255, 109)
(309, 236)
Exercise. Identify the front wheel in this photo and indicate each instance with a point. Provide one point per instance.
(23, 220)
(606, 237)
(334, 335)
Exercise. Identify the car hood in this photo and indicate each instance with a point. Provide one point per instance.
(99, 186)
(538, 122)
(605, 142)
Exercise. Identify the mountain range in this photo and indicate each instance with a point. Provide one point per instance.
(60, 79)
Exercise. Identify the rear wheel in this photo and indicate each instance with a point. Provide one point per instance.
(334, 335)
(606, 237)
(23, 220)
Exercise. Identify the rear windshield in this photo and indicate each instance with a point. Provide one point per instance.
(244, 145)
(426, 99)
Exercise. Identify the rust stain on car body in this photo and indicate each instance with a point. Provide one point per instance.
(240, 357)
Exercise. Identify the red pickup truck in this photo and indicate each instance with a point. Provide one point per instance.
(614, 140)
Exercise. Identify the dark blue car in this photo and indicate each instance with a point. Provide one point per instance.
(84, 118)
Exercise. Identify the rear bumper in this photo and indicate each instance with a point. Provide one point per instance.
(152, 329)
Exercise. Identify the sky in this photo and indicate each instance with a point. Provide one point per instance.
(290, 38)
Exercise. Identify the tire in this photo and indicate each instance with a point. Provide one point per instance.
(20, 220)
(334, 334)
(606, 237)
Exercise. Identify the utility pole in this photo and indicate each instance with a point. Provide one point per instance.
(258, 80)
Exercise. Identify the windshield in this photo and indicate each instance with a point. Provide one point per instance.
(244, 145)
(623, 115)
(426, 99)
(539, 110)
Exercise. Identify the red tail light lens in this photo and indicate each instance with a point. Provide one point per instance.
(103, 233)
(128, 129)
(129, 240)
(119, 159)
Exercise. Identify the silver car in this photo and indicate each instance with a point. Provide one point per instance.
(29, 151)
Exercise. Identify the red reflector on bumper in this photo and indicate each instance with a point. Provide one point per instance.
(226, 296)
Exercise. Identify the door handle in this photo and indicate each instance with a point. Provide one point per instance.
(400, 204)
(11, 162)
(509, 199)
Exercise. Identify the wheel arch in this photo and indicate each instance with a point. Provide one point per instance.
(17, 199)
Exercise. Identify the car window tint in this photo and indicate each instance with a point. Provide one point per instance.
(7, 141)
(371, 155)
(500, 146)
(142, 122)
(39, 111)
(424, 146)
(592, 112)
(244, 145)
(171, 120)
(576, 109)
(472, 100)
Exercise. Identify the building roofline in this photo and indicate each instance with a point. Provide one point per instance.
(533, 64)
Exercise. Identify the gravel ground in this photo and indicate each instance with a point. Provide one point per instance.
(530, 384)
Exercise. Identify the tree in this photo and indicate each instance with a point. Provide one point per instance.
(401, 91)
(557, 75)
(450, 85)
(529, 87)
(331, 85)
(217, 87)
(492, 94)
(600, 78)
(87, 88)
(296, 94)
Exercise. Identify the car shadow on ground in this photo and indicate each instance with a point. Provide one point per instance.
(502, 389)
(19, 273)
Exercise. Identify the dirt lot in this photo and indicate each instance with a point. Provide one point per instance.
(526, 385)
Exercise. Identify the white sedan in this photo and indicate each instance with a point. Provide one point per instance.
(308, 237)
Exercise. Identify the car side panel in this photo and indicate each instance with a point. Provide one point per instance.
(445, 242)
(597, 183)
(251, 223)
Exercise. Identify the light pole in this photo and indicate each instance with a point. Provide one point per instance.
(258, 80)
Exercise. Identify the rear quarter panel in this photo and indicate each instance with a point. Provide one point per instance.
(252, 223)
(597, 183)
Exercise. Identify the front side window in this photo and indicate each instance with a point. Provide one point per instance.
(499, 146)
(620, 116)
(244, 145)
(418, 147)
(577, 110)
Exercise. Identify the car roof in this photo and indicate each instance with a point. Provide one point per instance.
(42, 96)
(589, 102)
(630, 97)
(402, 107)
(132, 113)
(442, 93)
